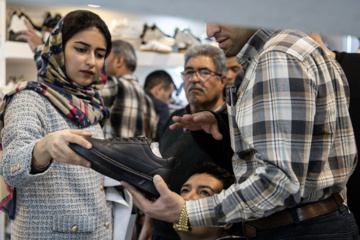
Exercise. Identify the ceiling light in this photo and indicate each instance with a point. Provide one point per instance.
(93, 5)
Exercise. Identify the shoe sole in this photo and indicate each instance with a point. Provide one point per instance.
(106, 166)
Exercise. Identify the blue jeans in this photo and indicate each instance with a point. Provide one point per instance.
(337, 225)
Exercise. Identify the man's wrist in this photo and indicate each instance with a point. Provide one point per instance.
(184, 223)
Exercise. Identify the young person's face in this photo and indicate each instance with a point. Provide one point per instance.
(200, 186)
(85, 56)
(196, 187)
(232, 69)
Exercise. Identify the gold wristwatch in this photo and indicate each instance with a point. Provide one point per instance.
(184, 224)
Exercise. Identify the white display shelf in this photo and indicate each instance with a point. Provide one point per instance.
(17, 51)
(20, 51)
(153, 59)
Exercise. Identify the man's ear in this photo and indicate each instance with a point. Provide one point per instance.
(223, 81)
(119, 60)
(157, 89)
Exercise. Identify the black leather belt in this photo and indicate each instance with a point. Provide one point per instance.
(286, 217)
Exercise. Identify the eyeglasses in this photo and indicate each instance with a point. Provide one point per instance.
(204, 74)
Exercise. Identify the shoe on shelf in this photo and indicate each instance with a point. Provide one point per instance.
(125, 32)
(155, 46)
(168, 41)
(16, 23)
(127, 159)
(154, 33)
(185, 39)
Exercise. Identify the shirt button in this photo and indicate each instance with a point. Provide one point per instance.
(102, 188)
(107, 224)
(75, 229)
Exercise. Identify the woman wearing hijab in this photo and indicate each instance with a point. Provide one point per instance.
(57, 195)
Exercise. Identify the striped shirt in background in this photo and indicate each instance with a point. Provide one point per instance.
(126, 112)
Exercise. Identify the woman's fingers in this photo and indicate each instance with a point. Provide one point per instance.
(58, 146)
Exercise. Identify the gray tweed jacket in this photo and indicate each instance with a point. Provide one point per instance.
(65, 201)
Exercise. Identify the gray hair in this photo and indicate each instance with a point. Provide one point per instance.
(216, 54)
(127, 51)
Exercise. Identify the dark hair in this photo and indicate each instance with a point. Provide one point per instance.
(127, 51)
(79, 20)
(158, 77)
(223, 175)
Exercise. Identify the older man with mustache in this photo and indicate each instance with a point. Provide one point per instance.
(204, 79)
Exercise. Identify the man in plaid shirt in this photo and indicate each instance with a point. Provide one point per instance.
(132, 112)
(293, 141)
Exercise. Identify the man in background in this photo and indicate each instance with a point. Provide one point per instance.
(159, 86)
(132, 112)
(233, 68)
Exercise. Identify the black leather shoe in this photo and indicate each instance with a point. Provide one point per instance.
(127, 159)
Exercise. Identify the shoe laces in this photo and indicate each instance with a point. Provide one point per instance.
(129, 139)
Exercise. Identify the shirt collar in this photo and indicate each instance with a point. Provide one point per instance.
(252, 46)
(130, 77)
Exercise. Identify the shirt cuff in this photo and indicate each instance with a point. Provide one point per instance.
(195, 211)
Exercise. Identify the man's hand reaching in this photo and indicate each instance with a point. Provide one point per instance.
(167, 207)
(30, 36)
(198, 121)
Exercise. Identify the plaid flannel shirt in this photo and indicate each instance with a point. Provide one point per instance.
(126, 112)
(290, 130)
